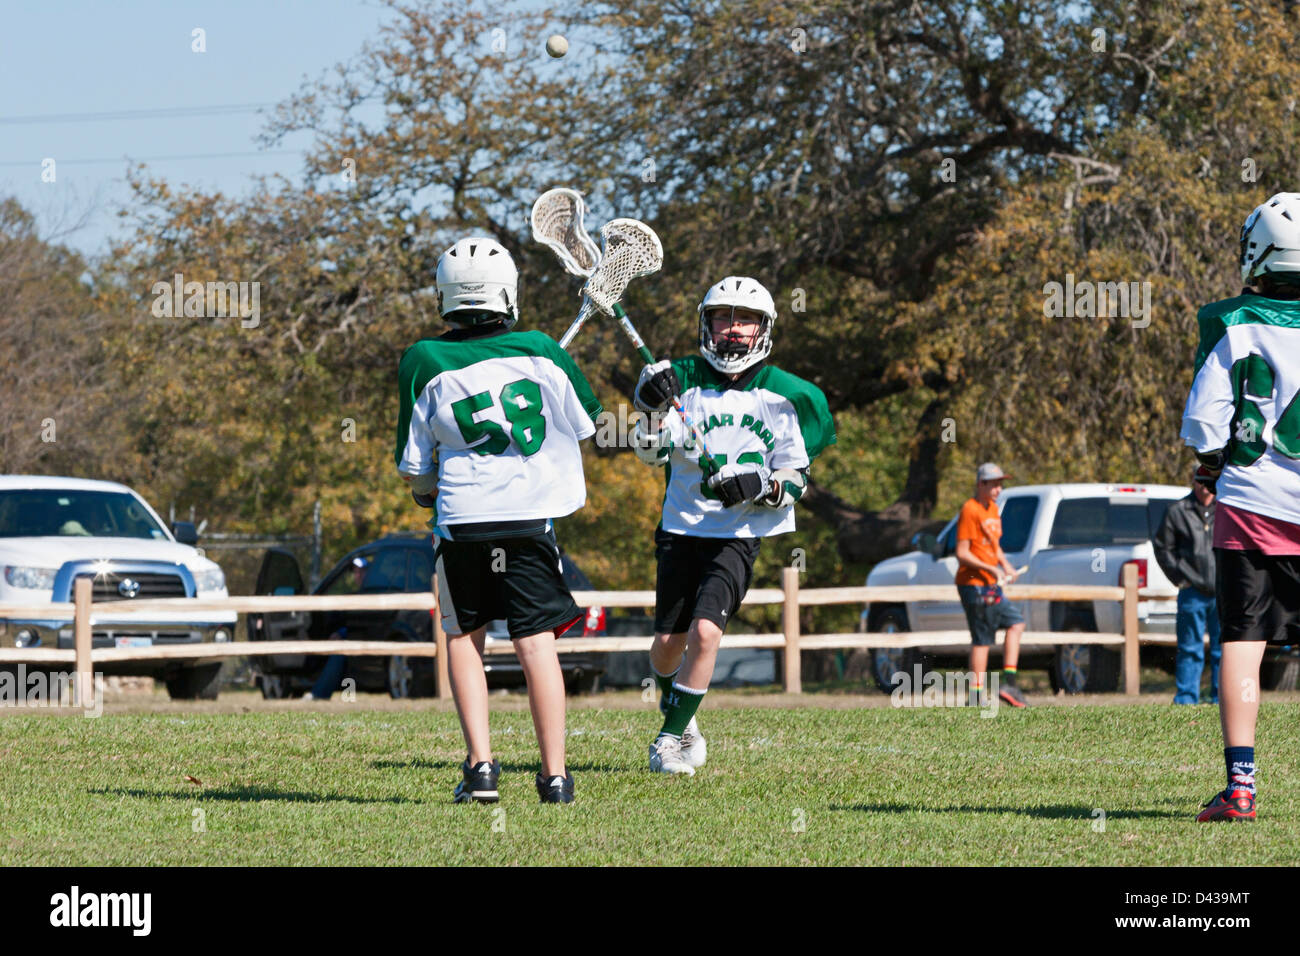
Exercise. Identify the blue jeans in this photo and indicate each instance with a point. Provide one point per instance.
(1196, 615)
(331, 677)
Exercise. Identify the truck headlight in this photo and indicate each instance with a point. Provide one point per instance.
(207, 582)
(36, 578)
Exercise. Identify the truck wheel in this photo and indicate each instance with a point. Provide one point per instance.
(409, 676)
(400, 673)
(1084, 669)
(583, 682)
(195, 683)
(888, 661)
(272, 687)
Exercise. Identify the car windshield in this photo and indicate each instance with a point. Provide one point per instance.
(30, 513)
(1101, 521)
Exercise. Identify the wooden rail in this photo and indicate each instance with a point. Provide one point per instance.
(791, 641)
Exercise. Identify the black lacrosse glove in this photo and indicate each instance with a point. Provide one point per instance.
(656, 387)
(1213, 461)
(737, 487)
(425, 501)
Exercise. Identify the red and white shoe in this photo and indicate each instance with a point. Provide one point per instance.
(1237, 804)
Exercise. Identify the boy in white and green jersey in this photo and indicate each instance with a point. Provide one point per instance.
(1243, 420)
(763, 427)
(488, 435)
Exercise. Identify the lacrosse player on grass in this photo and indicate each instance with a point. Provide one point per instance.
(1243, 420)
(762, 428)
(488, 435)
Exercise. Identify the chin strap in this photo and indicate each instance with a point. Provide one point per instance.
(788, 486)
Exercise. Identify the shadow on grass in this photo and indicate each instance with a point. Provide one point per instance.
(419, 764)
(1048, 813)
(246, 795)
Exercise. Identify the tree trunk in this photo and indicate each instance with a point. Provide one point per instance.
(871, 536)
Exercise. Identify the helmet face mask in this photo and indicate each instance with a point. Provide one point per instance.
(478, 283)
(744, 305)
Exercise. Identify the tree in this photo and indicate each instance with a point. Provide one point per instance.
(52, 394)
(909, 179)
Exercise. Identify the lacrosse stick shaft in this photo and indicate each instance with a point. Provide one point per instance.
(572, 330)
(707, 464)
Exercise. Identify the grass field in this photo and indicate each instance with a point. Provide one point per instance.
(839, 781)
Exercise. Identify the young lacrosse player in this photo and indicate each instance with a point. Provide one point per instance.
(1243, 420)
(488, 436)
(762, 427)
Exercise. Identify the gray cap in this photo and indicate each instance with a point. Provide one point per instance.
(990, 472)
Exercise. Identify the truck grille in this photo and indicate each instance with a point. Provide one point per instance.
(152, 585)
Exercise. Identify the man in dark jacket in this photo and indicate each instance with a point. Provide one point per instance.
(1184, 548)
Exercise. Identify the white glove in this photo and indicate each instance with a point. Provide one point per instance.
(788, 486)
(652, 447)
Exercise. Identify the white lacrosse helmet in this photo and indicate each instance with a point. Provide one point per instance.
(737, 292)
(477, 276)
(1270, 239)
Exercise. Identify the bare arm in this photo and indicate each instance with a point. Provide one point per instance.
(966, 559)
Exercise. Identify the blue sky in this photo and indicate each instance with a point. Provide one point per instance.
(80, 57)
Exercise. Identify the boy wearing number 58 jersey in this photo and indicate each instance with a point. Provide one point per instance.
(488, 436)
(1243, 420)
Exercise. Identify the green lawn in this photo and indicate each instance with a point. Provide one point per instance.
(356, 785)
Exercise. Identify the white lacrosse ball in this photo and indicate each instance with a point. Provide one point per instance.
(557, 45)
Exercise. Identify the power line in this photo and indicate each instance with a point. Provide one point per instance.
(166, 112)
(154, 159)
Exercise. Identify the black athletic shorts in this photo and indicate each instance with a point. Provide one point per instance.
(1258, 596)
(515, 579)
(700, 577)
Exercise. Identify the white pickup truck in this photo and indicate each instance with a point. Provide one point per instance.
(54, 530)
(1079, 534)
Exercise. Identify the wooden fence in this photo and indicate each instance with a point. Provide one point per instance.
(790, 596)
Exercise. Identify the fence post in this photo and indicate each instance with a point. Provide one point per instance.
(790, 625)
(81, 641)
(441, 676)
(1132, 674)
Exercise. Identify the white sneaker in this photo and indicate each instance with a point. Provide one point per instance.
(666, 756)
(694, 750)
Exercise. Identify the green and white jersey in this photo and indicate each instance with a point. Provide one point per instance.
(499, 416)
(771, 418)
(1244, 396)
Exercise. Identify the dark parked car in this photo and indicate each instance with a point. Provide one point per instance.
(389, 565)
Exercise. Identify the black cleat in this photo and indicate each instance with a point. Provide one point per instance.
(555, 789)
(1010, 694)
(479, 783)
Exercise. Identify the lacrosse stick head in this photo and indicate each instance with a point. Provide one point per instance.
(557, 222)
(631, 250)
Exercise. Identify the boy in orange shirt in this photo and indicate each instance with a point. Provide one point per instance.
(983, 569)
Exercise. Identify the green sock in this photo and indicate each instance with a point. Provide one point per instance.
(665, 682)
(683, 702)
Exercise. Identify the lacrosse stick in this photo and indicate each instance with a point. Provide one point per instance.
(557, 222)
(631, 250)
